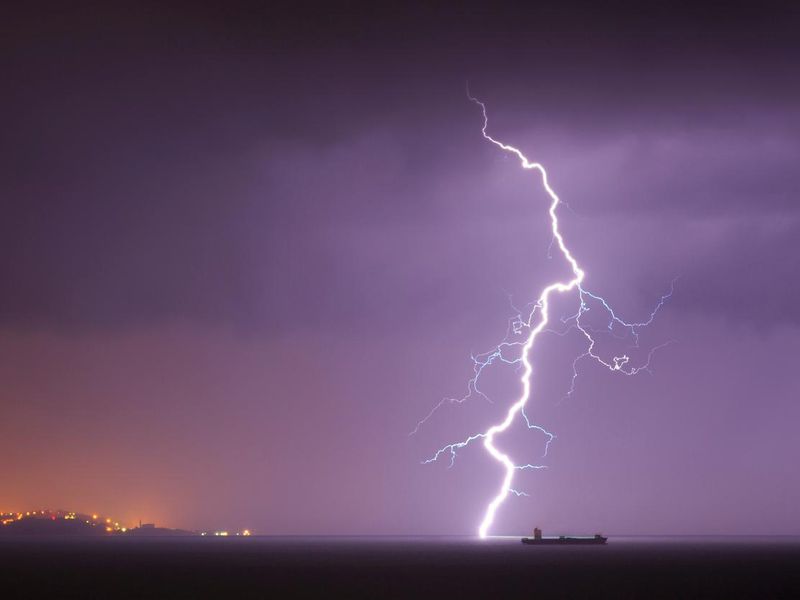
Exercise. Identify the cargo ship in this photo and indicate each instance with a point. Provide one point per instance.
(537, 539)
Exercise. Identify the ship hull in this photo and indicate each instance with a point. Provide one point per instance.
(566, 541)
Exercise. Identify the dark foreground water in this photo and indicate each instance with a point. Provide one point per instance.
(396, 567)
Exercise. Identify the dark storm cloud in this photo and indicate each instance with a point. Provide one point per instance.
(162, 163)
(748, 276)
(697, 171)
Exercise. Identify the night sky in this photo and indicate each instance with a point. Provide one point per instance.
(246, 247)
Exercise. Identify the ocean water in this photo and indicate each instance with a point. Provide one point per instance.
(398, 567)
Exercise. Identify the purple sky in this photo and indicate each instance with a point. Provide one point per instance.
(244, 252)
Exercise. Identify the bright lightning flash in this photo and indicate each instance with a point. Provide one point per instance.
(618, 364)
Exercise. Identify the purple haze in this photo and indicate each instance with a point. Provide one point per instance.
(245, 252)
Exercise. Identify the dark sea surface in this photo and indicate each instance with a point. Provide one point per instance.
(398, 567)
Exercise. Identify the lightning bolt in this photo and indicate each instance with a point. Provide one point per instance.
(536, 327)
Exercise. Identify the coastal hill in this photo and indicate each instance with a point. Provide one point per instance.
(33, 526)
(65, 523)
(56, 522)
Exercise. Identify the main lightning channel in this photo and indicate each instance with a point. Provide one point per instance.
(543, 304)
(499, 354)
